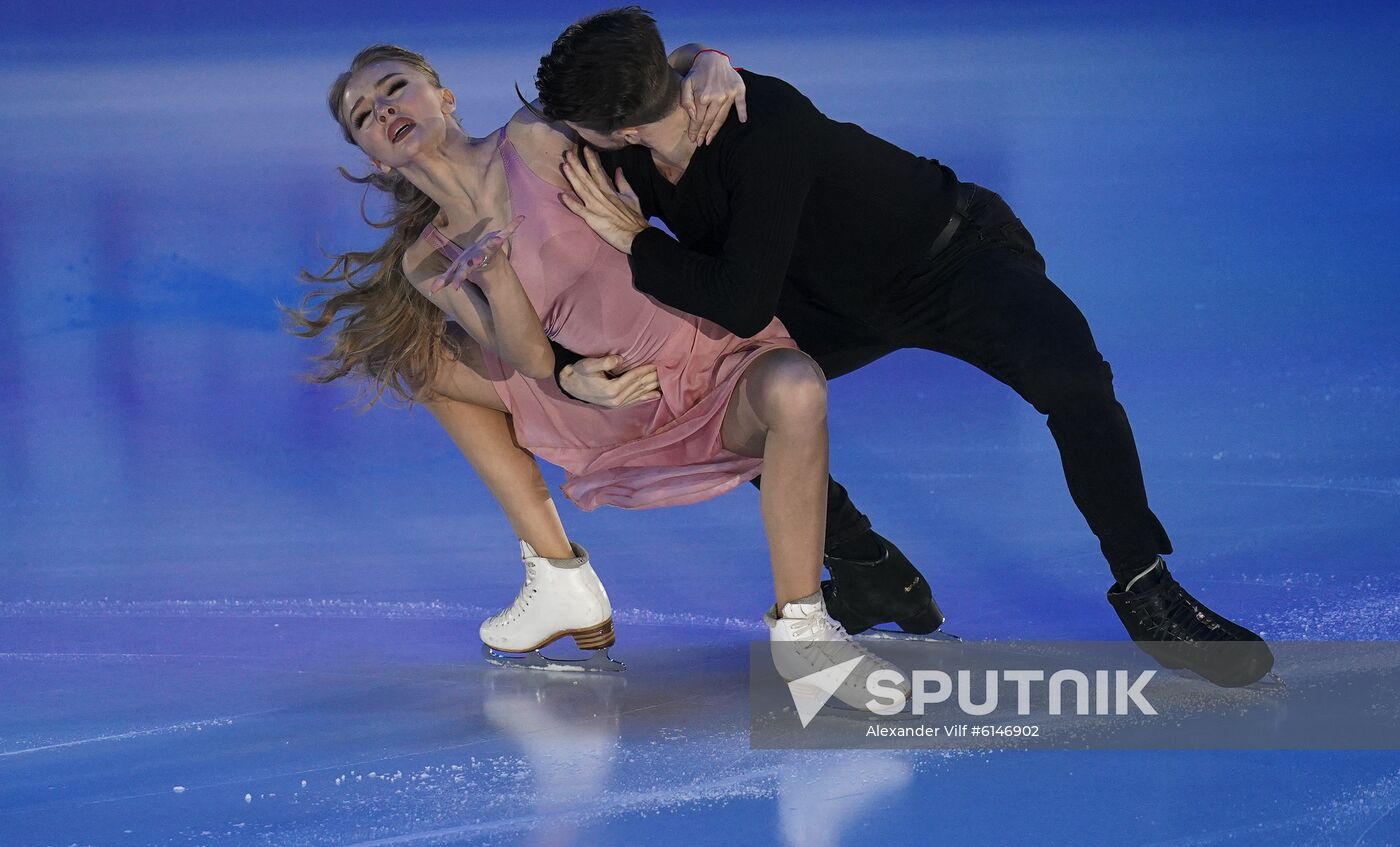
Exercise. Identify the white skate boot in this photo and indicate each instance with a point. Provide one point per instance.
(805, 640)
(560, 597)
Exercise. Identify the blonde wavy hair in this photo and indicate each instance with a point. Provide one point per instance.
(384, 330)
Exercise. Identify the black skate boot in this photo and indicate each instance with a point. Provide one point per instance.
(865, 593)
(1179, 631)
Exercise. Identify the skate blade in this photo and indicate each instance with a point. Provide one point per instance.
(597, 661)
(1268, 682)
(878, 634)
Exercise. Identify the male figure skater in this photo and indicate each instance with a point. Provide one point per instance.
(862, 248)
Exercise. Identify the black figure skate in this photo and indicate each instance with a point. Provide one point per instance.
(1179, 631)
(864, 594)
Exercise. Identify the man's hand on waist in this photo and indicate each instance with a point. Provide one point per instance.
(591, 381)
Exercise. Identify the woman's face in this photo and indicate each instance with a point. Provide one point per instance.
(394, 112)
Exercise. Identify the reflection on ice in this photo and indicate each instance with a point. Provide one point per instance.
(823, 794)
(567, 727)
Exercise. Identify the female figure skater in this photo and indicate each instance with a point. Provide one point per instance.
(481, 235)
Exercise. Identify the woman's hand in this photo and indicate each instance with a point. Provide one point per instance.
(614, 213)
(708, 92)
(480, 264)
(588, 380)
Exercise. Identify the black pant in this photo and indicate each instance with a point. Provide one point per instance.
(985, 299)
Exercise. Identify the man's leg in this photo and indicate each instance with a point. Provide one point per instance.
(990, 304)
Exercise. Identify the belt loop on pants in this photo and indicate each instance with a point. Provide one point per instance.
(966, 190)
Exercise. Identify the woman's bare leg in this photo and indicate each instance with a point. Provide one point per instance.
(778, 412)
(468, 407)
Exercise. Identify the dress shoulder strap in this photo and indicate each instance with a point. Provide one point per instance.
(440, 242)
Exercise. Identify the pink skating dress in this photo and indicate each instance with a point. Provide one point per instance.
(665, 452)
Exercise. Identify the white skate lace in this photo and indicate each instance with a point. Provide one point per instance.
(820, 633)
(522, 600)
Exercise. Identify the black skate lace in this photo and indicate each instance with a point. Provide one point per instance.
(1179, 618)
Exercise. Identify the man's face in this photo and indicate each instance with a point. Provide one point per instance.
(614, 140)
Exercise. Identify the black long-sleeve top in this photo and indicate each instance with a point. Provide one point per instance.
(789, 199)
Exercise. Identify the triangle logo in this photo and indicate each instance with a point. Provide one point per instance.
(810, 692)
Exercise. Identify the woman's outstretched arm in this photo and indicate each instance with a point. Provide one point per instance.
(481, 292)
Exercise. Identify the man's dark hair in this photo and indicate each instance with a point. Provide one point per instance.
(608, 71)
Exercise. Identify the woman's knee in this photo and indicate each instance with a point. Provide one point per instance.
(789, 385)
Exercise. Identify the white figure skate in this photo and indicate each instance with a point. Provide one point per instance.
(805, 640)
(560, 597)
